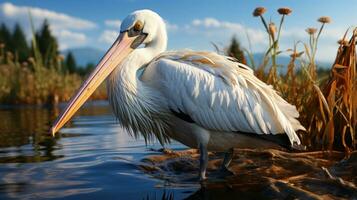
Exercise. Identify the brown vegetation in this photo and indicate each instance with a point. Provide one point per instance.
(261, 174)
(32, 83)
(327, 106)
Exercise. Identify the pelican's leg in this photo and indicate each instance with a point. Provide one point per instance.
(203, 161)
(227, 159)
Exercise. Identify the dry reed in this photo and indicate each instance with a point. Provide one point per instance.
(327, 107)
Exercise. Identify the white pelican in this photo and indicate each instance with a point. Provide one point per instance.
(201, 99)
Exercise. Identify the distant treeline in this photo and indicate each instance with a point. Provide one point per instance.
(32, 70)
(14, 40)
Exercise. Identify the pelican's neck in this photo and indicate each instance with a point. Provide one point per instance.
(125, 79)
(143, 56)
(126, 72)
(135, 104)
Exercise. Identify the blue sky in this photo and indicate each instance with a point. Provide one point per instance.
(191, 24)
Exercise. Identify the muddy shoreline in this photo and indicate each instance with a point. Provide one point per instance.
(268, 173)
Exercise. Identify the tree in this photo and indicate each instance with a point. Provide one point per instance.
(19, 44)
(5, 36)
(84, 71)
(70, 63)
(89, 68)
(234, 50)
(47, 44)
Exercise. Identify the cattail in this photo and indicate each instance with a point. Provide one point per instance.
(324, 20)
(259, 11)
(272, 29)
(284, 11)
(311, 30)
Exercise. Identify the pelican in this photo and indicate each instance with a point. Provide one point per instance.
(204, 100)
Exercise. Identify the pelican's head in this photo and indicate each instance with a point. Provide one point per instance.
(140, 27)
(146, 23)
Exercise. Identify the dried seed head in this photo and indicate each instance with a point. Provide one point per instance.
(9, 55)
(2, 45)
(296, 54)
(60, 57)
(31, 60)
(343, 42)
(324, 19)
(311, 30)
(259, 11)
(284, 11)
(272, 29)
(24, 64)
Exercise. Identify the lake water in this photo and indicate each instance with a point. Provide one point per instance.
(92, 158)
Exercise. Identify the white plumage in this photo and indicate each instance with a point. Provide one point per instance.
(201, 99)
(220, 97)
(220, 94)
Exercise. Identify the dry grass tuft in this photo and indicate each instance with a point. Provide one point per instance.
(327, 105)
(335, 124)
(32, 82)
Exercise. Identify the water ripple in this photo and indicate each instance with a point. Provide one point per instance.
(92, 158)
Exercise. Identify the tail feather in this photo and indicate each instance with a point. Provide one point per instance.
(290, 113)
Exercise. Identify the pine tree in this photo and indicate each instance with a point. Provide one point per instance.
(5, 37)
(47, 44)
(85, 70)
(235, 51)
(18, 43)
(70, 63)
(89, 68)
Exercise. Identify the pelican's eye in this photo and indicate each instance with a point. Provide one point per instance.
(136, 29)
(138, 26)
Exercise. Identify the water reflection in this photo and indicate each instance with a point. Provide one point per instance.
(92, 158)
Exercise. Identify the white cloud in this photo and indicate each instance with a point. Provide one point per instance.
(108, 36)
(65, 27)
(58, 20)
(208, 23)
(170, 26)
(79, 37)
(326, 52)
(332, 32)
(327, 46)
(68, 38)
(113, 23)
(329, 32)
(214, 29)
(214, 25)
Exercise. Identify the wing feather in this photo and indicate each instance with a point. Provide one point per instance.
(219, 93)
